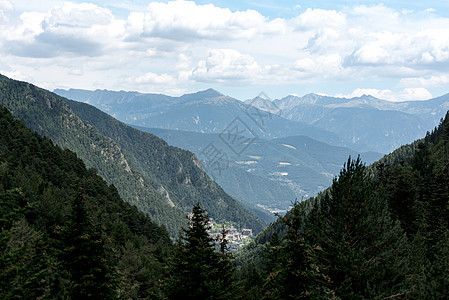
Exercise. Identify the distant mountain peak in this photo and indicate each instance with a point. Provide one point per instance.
(312, 95)
(209, 93)
(366, 97)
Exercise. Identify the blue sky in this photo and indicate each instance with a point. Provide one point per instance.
(395, 50)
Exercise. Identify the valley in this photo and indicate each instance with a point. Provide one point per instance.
(221, 150)
(246, 191)
(278, 151)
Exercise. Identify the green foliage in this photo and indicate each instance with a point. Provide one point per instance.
(162, 181)
(198, 271)
(170, 170)
(359, 243)
(63, 228)
(381, 232)
(292, 272)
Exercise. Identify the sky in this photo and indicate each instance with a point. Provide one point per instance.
(393, 50)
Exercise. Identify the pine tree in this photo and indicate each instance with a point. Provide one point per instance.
(292, 273)
(28, 270)
(361, 249)
(84, 254)
(198, 271)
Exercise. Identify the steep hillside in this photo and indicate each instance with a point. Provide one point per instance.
(396, 209)
(64, 232)
(174, 172)
(272, 173)
(48, 115)
(163, 186)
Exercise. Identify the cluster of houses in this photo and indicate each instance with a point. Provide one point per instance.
(233, 236)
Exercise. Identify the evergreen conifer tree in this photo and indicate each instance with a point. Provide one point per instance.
(198, 271)
(84, 254)
(292, 273)
(362, 250)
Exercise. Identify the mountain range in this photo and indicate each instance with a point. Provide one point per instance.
(206, 111)
(162, 181)
(361, 123)
(279, 139)
(376, 232)
(365, 123)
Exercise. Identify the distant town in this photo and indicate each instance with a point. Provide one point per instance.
(236, 238)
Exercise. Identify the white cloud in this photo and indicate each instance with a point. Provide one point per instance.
(406, 94)
(185, 20)
(306, 65)
(432, 81)
(388, 48)
(152, 78)
(134, 25)
(81, 29)
(377, 17)
(17, 75)
(155, 83)
(324, 65)
(6, 8)
(84, 15)
(228, 65)
(313, 19)
(189, 43)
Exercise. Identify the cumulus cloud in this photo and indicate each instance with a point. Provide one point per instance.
(84, 15)
(388, 48)
(155, 83)
(152, 78)
(376, 17)
(406, 94)
(6, 8)
(432, 81)
(323, 65)
(184, 20)
(313, 19)
(227, 65)
(187, 43)
(82, 29)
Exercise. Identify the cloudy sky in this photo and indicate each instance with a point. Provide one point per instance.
(396, 50)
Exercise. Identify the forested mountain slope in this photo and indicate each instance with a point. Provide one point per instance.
(64, 232)
(381, 233)
(269, 172)
(144, 181)
(176, 173)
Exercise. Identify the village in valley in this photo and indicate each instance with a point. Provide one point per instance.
(236, 238)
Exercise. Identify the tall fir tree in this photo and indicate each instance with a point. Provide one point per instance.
(290, 263)
(198, 271)
(85, 255)
(361, 249)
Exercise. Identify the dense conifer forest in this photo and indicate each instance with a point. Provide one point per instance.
(376, 233)
(64, 232)
(161, 181)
